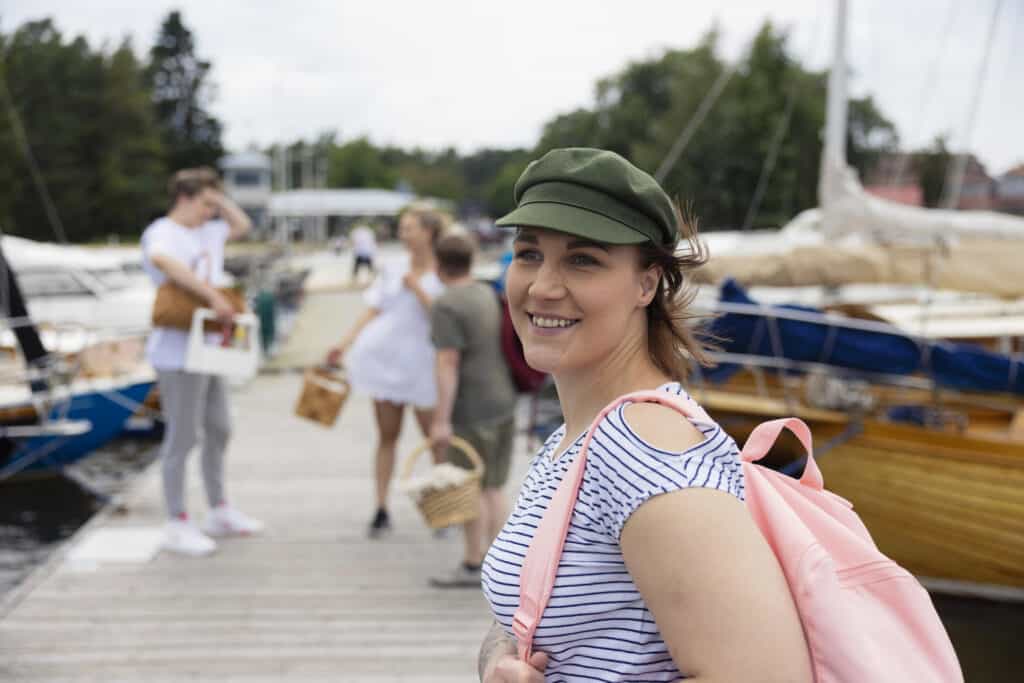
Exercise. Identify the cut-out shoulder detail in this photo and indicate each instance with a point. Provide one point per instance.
(661, 427)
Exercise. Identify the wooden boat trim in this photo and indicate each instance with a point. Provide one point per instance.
(970, 589)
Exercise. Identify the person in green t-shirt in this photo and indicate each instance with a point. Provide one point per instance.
(476, 398)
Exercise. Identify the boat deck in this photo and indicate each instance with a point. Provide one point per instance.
(311, 600)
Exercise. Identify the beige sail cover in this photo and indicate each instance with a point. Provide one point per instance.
(848, 210)
(982, 266)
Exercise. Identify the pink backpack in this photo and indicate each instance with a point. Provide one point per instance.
(865, 617)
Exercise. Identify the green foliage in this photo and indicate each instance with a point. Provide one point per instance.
(89, 125)
(932, 164)
(469, 180)
(177, 79)
(359, 164)
(106, 129)
(500, 191)
(640, 111)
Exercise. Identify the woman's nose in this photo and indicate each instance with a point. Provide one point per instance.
(548, 283)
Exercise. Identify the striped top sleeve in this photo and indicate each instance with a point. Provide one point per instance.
(624, 471)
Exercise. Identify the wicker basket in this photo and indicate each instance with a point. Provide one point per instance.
(454, 505)
(323, 394)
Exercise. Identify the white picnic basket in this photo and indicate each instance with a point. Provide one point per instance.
(208, 354)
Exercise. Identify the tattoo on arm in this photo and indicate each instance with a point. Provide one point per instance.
(496, 643)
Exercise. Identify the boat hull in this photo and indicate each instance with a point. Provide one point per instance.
(945, 505)
(107, 409)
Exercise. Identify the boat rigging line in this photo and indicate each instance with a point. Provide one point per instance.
(26, 148)
(955, 179)
(928, 88)
(698, 118)
(780, 134)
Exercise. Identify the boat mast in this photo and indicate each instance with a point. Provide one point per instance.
(834, 152)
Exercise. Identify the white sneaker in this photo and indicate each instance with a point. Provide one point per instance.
(224, 520)
(182, 537)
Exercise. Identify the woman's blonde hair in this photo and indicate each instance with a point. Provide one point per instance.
(673, 337)
(430, 217)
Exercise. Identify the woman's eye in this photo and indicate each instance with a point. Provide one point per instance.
(583, 260)
(528, 255)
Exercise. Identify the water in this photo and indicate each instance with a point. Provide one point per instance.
(987, 637)
(36, 516)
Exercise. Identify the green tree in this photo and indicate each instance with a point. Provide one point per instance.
(433, 174)
(641, 110)
(358, 163)
(869, 135)
(181, 95)
(500, 191)
(483, 170)
(130, 170)
(88, 127)
(932, 165)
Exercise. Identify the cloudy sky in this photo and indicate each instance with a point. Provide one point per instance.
(474, 73)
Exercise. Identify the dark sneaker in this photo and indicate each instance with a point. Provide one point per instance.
(380, 525)
(462, 577)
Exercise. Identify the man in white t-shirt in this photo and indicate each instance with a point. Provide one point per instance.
(186, 247)
(364, 249)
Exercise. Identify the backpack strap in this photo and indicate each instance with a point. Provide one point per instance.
(764, 436)
(540, 566)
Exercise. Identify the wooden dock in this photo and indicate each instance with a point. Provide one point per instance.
(310, 600)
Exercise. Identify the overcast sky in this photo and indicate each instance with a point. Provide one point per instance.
(475, 73)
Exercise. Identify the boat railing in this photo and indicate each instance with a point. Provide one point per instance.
(827, 319)
(777, 362)
(74, 351)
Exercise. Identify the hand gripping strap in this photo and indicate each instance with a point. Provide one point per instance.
(764, 436)
(540, 566)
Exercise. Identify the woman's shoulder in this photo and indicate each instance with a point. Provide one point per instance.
(656, 427)
(639, 440)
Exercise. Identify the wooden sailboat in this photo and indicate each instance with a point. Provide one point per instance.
(935, 467)
(946, 501)
(925, 438)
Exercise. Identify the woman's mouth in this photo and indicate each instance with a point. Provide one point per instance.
(549, 322)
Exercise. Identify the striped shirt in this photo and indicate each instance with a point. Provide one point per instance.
(596, 626)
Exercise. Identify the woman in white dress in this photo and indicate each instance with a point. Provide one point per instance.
(388, 353)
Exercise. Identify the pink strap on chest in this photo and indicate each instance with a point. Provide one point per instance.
(540, 566)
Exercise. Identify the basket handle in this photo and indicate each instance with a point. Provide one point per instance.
(330, 382)
(458, 442)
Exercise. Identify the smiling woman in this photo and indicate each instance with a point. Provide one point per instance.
(597, 292)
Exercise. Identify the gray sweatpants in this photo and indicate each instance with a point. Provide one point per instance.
(189, 402)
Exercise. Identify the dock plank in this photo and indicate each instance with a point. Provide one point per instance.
(310, 600)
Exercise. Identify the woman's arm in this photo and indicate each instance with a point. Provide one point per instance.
(335, 353)
(715, 589)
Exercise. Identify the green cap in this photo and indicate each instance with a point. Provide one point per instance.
(592, 193)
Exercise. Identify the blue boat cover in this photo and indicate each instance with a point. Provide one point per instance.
(959, 366)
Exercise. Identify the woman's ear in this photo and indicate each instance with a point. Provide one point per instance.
(649, 280)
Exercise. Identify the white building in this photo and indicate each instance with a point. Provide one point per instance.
(247, 180)
(310, 215)
(316, 215)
